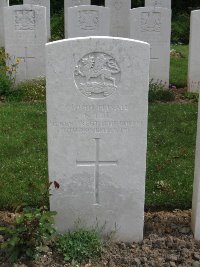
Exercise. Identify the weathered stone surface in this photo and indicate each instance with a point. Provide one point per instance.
(3, 3)
(88, 21)
(196, 186)
(71, 3)
(45, 3)
(194, 56)
(97, 105)
(158, 3)
(25, 38)
(120, 17)
(153, 25)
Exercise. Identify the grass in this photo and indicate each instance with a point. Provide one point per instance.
(23, 153)
(171, 150)
(171, 145)
(179, 66)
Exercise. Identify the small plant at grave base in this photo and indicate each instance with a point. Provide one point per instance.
(80, 245)
(158, 92)
(29, 91)
(31, 232)
(29, 235)
(8, 68)
(193, 97)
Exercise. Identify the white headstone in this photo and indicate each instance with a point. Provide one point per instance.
(97, 102)
(196, 187)
(194, 56)
(3, 3)
(120, 17)
(45, 3)
(158, 3)
(71, 3)
(153, 25)
(88, 21)
(25, 38)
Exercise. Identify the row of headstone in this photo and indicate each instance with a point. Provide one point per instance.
(119, 14)
(101, 174)
(150, 24)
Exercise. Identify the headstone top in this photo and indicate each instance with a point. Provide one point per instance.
(4, 3)
(158, 3)
(120, 17)
(45, 3)
(153, 24)
(72, 3)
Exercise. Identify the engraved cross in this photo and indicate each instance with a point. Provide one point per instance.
(96, 163)
(26, 58)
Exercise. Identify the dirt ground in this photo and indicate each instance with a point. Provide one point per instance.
(168, 242)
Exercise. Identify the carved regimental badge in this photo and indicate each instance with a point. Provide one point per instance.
(150, 21)
(97, 75)
(157, 3)
(118, 4)
(88, 19)
(39, 2)
(25, 20)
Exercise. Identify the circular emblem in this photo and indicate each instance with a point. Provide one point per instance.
(118, 4)
(97, 75)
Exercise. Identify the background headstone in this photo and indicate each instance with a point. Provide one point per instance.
(97, 138)
(120, 17)
(196, 187)
(3, 3)
(194, 56)
(153, 25)
(25, 38)
(88, 21)
(45, 3)
(71, 3)
(158, 3)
